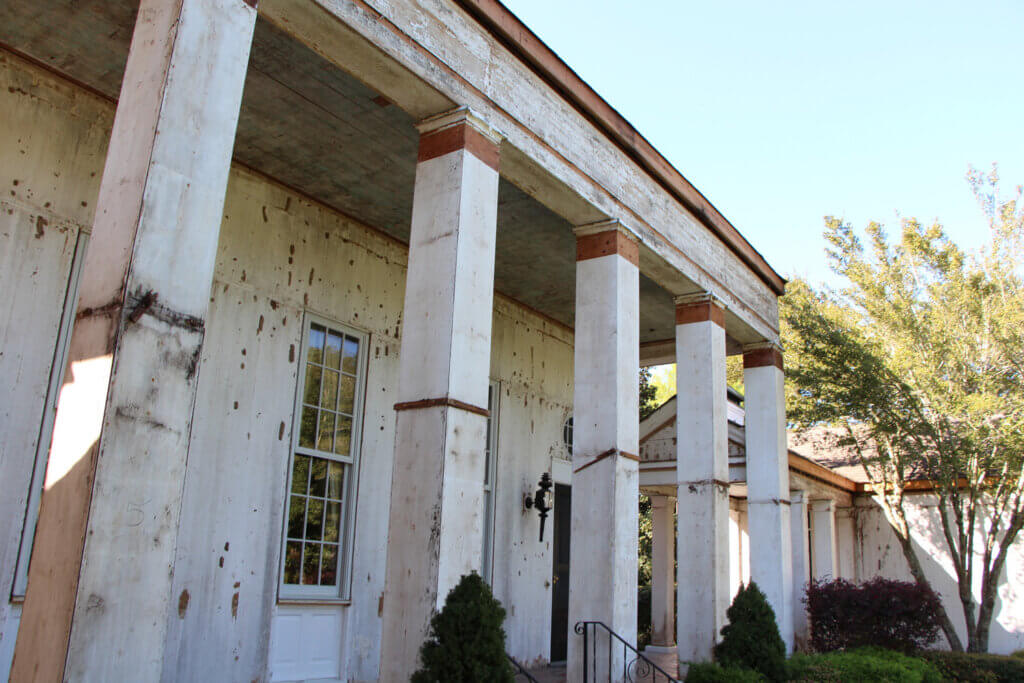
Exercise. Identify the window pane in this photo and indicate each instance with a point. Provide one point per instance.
(351, 355)
(329, 391)
(329, 569)
(292, 557)
(296, 516)
(316, 344)
(343, 437)
(318, 481)
(332, 525)
(300, 474)
(307, 432)
(311, 564)
(312, 392)
(315, 520)
(336, 478)
(348, 394)
(323, 442)
(333, 358)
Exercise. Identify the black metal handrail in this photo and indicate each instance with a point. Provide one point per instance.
(639, 668)
(520, 671)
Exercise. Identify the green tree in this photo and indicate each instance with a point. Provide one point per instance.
(466, 642)
(648, 393)
(919, 360)
(751, 639)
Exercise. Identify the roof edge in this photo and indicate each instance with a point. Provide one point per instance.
(523, 43)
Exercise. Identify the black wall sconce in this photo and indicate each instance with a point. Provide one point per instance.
(541, 500)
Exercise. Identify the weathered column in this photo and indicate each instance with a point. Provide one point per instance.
(801, 566)
(824, 560)
(436, 523)
(605, 480)
(663, 573)
(108, 521)
(771, 561)
(702, 474)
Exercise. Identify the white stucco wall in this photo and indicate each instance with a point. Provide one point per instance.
(881, 555)
(279, 254)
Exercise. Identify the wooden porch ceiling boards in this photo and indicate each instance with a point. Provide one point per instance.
(315, 128)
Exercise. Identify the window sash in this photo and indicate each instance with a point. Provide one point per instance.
(350, 464)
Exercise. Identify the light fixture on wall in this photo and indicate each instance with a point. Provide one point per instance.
(541, 500)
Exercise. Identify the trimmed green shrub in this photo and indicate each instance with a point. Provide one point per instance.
(713, 673)
(1019, 654)
(873, 665)
(751, 639)
(973, 667)
(466, 642)
(896, 615)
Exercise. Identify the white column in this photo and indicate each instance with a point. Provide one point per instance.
(663, 573)
(702, 475)
(436, 517)
(108, 523)
(824, 560)
(801, 566)
(764, 403)
(605, 480)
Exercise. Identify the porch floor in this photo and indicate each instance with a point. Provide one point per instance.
(556, 674)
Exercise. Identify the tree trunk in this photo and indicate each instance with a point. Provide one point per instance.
(907, 546)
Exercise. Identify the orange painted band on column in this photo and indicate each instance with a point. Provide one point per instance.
(607, 454)
(760, 358)
(454, 138)
(700, 312)
(606, 244)
(445, 401)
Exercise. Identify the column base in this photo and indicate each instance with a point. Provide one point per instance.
(660, 650)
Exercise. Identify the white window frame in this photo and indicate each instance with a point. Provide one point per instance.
(490, 480)
(60, 359)
(346, 534)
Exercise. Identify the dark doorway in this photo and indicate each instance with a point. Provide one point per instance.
(560, 574)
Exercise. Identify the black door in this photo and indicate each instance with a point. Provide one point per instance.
(560, 574)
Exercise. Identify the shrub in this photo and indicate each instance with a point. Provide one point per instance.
(868, 664)
(1019, 654)
(466, 642)
(643, 617)
(713, 673)
(897, 615)
(751, 639)
(972, 667)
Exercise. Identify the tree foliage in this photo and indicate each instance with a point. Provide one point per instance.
(919, 359)
(648, 393)
(466, 642)
(751, 639)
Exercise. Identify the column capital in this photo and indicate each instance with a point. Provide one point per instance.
(659, 501)
(604, 238)
(762, 354)
(698, 308)
(455, 130)
(822, 504)
(796, 497)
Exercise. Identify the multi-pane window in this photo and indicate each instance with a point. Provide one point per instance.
(490, 450)
(325, 453)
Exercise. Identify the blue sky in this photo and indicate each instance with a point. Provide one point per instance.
(782, 113)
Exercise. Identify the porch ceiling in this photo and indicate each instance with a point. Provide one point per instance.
(313, 127)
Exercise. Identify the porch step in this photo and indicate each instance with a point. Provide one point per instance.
(549, 674)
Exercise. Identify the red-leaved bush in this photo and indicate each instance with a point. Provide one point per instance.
(897, 615)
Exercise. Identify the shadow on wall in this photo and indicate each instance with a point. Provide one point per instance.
(881, 556)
